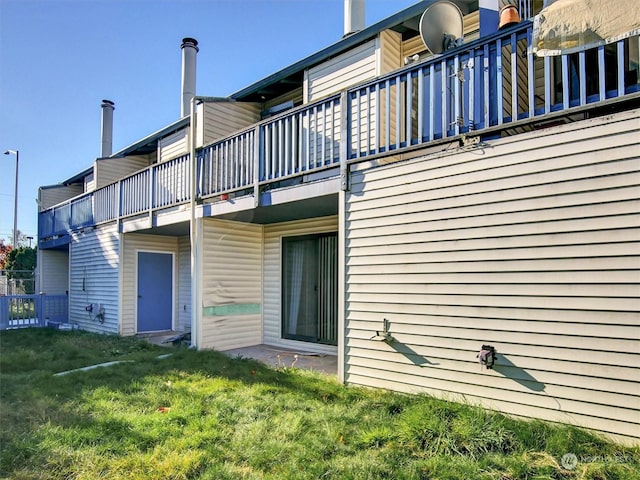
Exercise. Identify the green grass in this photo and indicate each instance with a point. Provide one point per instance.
(19, 310)
(238, 419)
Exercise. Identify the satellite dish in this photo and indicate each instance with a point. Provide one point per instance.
(441, 27)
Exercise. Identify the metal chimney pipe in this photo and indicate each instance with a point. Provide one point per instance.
(189, 51)
(353, 16)
(107, 128)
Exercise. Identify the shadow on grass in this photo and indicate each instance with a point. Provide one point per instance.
(146, 406)
(127, 407)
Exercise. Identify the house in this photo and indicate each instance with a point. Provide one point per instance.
(414, 211)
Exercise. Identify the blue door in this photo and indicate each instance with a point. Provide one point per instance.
(155, 291)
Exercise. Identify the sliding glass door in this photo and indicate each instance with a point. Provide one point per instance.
(310, 288)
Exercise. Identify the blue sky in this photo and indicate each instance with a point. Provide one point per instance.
(60, 58)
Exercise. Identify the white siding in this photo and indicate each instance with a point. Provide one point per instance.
(51, 196)
(530, 244)
(222, 119)
(89, 183)
(132, 243)
(53, 271)
(231, 284)
(173, 146)
(272, 312)
(345, 70)
(94, 278)
(184, 284)
(110, 170)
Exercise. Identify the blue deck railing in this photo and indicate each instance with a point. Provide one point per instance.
(492, 82)
(37, 310)
(488, 84)
(299, 141)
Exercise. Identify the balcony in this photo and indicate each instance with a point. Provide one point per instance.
(492, 85)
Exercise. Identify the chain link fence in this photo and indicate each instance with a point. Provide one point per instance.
(17, 282)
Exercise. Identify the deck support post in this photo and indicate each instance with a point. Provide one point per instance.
(344, 140)
(258, 157)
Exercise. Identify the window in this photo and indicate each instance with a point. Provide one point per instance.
(310, 288)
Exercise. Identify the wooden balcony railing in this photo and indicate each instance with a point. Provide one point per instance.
(491, 83)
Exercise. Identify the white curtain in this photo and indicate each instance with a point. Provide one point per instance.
(296, 258)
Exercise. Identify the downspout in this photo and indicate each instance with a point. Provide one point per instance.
(121, 282)
(195, 264)
(342, 233)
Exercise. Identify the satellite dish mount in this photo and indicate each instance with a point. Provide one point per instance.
(441, 27)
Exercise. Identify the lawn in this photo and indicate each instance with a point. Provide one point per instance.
(203, 415)
(21, 308)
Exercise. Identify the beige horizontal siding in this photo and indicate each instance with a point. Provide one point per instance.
(471, 26)
(555, 358)
(390, 51)
(547, 387)
(184, 284)
(272, 313)
(110, 170)
(531, 244)
(345, 70)
(540, 314)
(224, 118)
(173, 146)
(412, 46)
(132, 244)
(231, 277)
(51, 196)
(553, 337)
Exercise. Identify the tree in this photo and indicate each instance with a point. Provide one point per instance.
(4, 253)
(22, 239)
(20, 265)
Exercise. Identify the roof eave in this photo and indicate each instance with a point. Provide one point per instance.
(341, 46)
(177, 125)
(77, 177)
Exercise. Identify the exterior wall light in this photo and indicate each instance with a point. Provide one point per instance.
(487, 356)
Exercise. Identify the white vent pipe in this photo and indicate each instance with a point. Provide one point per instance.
(189, 51)
(353, 16)
(107, 128)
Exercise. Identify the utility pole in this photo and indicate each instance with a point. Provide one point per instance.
(15, 198)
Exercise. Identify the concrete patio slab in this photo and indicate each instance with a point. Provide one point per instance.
(272, 356)
(278, 357)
